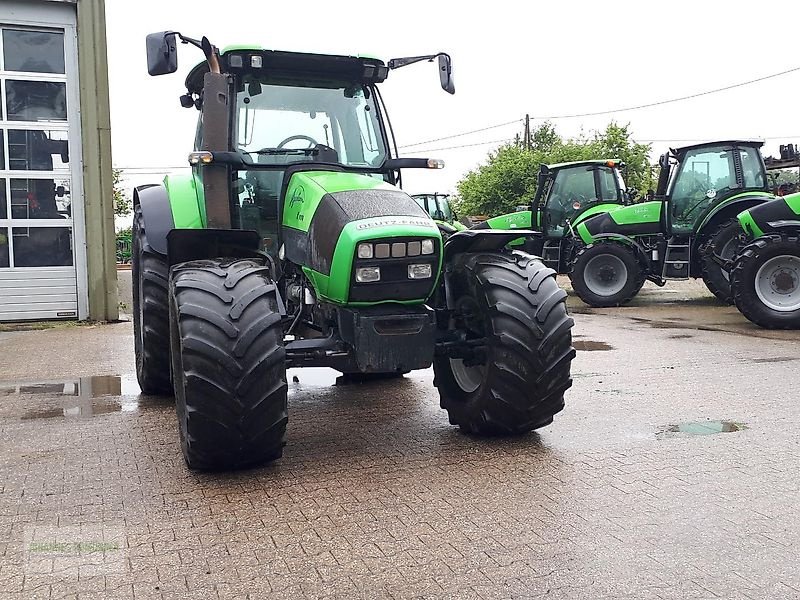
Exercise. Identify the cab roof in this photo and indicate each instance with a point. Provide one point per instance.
(752, 142)
(588, 163)
(245, 58)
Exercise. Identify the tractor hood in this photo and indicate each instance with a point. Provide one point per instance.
(328, 213)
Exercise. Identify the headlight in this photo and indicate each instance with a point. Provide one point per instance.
(368, 274)
(420, 271)
(427, 246)
(365, 251)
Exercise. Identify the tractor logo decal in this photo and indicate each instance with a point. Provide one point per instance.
(396, 221)
(297, 197)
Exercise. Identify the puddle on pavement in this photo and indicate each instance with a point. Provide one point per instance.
(79, 397)
(776, 359)
(701, 428)
(591, 345)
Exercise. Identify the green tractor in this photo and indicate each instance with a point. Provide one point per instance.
(689, 230)
(438, 207)
(566, 195)
(290, 244)
(766, 274)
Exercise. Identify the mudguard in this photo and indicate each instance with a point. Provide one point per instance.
(157, 214)
(481, 240)
(730, 208)
(776, 215)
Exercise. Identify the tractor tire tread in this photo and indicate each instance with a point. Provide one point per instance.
(232, 399)
(528, 369)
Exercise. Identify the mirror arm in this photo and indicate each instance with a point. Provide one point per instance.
(396, 63)
(185, 39)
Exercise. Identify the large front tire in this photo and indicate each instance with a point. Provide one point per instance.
(766, 281)
(228, 363)
(149, 274)
(514, 302)
(723, 243)
(606, 273)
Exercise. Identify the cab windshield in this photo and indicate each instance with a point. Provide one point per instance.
(294, 122)
(705, 176)
(573, 191)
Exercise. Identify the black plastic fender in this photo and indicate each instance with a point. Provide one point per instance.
(481, 240)
(157, 214)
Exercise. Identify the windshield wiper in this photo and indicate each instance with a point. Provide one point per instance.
(278, 151)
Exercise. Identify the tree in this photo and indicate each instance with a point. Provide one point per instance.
(122, 204)
(508, 178)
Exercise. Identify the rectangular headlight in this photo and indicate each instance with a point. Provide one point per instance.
(427, 246)
(420, 271)
(368, 274)
(365, 251)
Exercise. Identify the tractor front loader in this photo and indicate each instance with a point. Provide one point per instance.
(291, 244)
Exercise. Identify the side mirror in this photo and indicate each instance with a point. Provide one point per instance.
(446, 74)
(162, 53)
(663, 161)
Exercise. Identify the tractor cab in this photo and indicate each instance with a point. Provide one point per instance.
(566, 191)
(292, 112)
(694, 180)
(438, 207)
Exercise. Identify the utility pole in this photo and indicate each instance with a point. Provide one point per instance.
(527, 142)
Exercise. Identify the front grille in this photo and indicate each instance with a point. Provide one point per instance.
(394, 283)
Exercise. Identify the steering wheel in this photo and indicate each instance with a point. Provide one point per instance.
(311, 141)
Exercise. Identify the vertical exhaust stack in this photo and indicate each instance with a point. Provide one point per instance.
(216, 136)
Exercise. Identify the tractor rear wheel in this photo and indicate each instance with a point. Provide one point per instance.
(228, 363)
(766, 281)
(516, 381)
(724, 243)
(149, 275)
(606, 273)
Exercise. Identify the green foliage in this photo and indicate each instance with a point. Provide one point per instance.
(508, 178)
(122, 204)
(124, 245)
(786, 178)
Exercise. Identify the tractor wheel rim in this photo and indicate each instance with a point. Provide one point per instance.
(468, 378)
(605, 275)
(778, 283)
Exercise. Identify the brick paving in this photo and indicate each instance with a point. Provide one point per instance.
(377, 496)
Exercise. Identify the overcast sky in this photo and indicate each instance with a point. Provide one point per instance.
(543, 58)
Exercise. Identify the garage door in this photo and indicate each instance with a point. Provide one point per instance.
(40, 202)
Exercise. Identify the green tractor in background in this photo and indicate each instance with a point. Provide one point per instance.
(439, 208)
(766, 274)
(290, 244)
(689, 230)
(566, 195)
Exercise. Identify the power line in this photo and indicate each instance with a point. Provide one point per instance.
(616, 110)
(449, 137)
(671, 100)
(460, 146)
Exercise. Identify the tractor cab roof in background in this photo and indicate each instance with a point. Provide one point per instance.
(754, 143)
(294, 65)
(607, 162)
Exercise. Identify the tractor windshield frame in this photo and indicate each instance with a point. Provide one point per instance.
(554, 219)
(725, 168)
